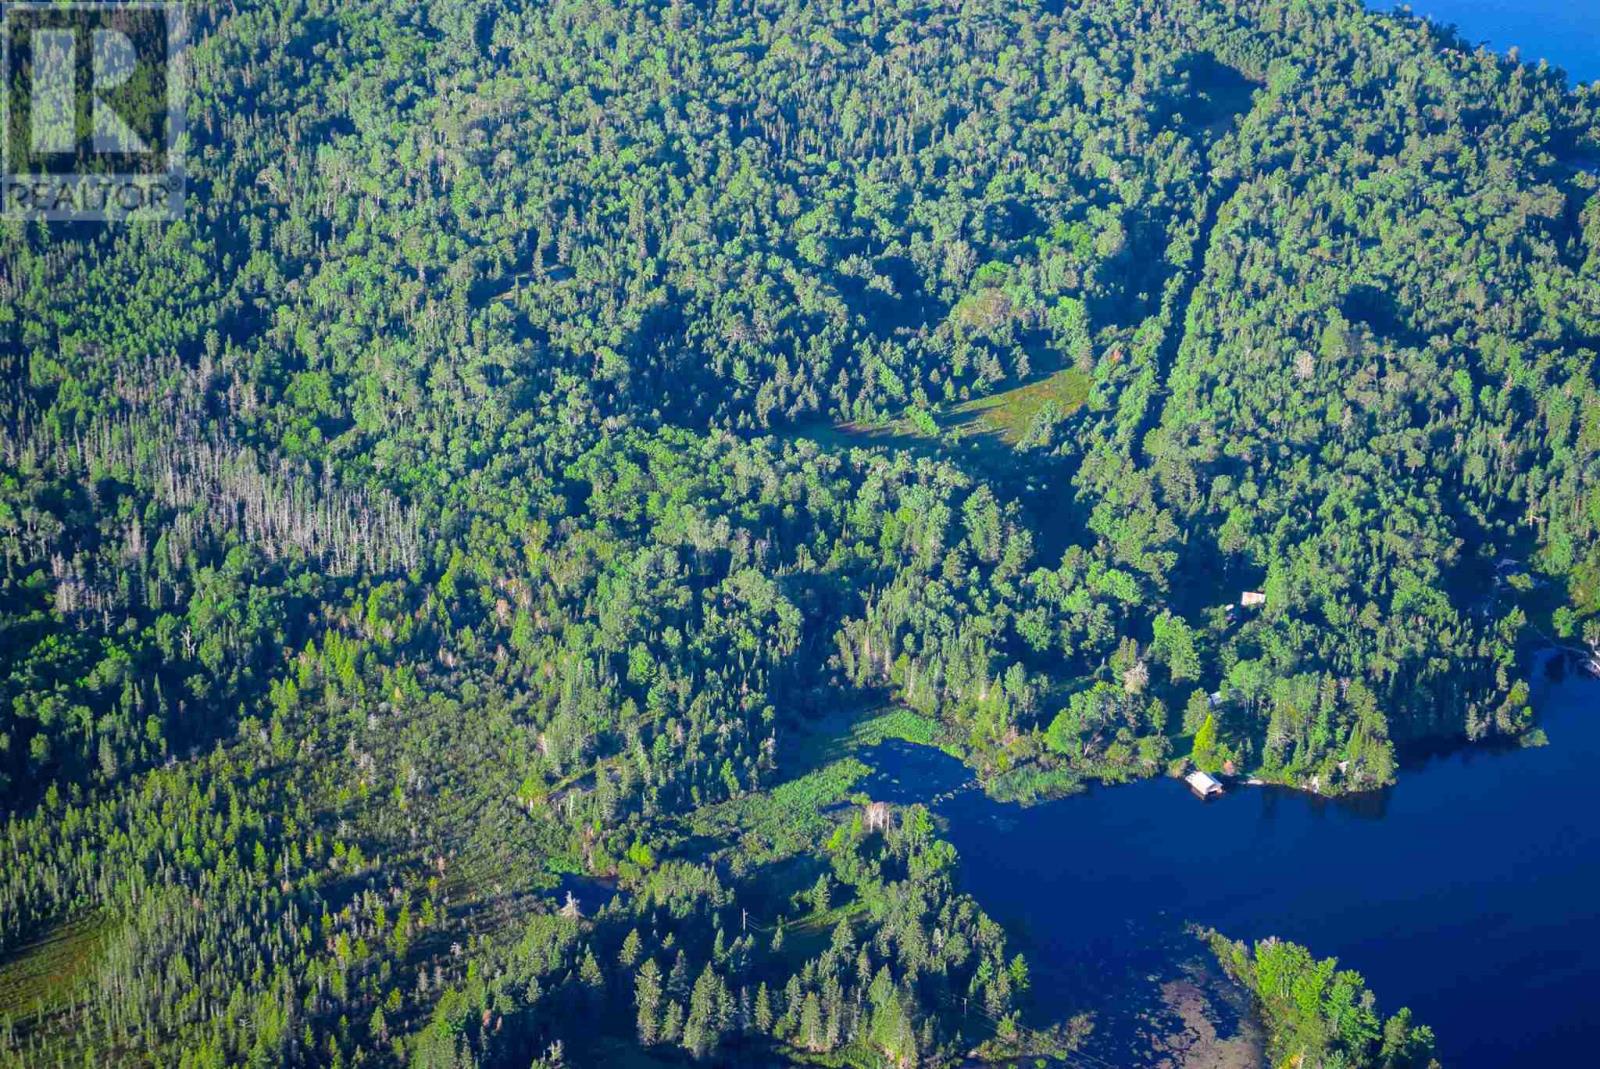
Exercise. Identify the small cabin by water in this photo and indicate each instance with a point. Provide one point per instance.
(1202, 784)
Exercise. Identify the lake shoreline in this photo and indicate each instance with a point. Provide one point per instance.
(1141, 863)
(1532, 31)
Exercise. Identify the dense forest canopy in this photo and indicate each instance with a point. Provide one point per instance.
(545, 415)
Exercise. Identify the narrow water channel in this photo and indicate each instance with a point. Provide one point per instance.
(1470, 891)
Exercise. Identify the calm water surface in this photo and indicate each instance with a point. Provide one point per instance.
(1470, 892)
(1565, 32)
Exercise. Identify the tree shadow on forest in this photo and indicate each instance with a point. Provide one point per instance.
(904, 305)
(1217, 95)
(1380, 313)
(1205, 101)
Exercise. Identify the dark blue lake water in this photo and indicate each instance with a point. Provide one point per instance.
(1470, 892)
(1565, 32)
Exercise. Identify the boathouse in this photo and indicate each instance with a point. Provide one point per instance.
(1203, 784)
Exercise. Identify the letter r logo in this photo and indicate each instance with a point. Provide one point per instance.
(55, 91)
(91, 108)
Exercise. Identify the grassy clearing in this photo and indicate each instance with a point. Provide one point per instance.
(1006, 415)
(846, 733)
(1010, 413)
(893, 724)
(43, 976)
(789, 819)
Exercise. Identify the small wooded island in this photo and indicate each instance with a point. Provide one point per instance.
(547, 449)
